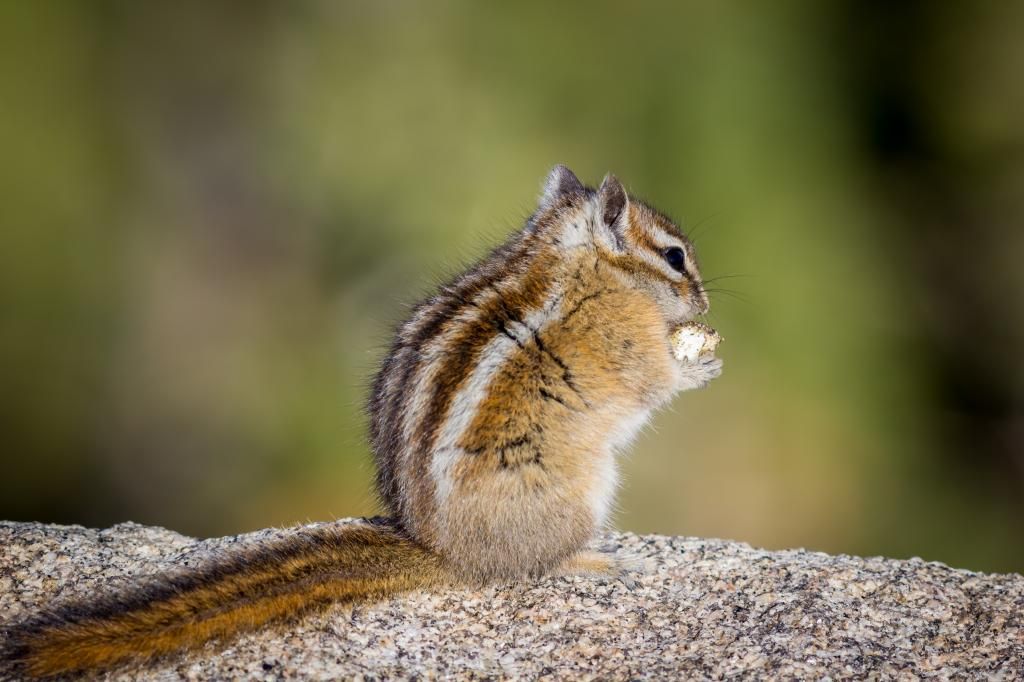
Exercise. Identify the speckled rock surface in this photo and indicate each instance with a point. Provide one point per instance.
(693, 609)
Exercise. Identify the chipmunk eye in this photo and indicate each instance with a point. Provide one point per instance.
(676, 259)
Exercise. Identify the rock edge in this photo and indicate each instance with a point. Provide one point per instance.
(693, 608)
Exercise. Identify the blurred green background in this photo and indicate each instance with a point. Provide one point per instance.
(214, 213)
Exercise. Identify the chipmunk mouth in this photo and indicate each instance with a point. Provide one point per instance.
(689, 317)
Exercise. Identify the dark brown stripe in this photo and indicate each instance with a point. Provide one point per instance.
(495, 316)
(631, 264)
(462, 355)
(387, 406)
(643, 239)
(457, 296)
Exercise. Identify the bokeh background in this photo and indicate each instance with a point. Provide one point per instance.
(212, 214)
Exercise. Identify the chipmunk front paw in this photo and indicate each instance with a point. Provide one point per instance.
(700, 372)
(693, 345)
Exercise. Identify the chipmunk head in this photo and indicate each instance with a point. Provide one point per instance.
(647, 248)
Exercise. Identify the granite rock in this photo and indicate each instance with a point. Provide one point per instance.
(691, 608)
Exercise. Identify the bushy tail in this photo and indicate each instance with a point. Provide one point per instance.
(241, 592)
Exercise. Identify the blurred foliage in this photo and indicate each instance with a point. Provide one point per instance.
(214, 213)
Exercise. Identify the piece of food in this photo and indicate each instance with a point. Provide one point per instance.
(694, 339)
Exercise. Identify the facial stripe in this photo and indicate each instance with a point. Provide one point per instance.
(642, 237)
(632, 264)
(651, 234)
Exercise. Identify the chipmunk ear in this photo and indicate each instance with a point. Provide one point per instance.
(560, 181)
(613, 202)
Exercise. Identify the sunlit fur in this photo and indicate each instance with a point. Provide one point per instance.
(494, 420)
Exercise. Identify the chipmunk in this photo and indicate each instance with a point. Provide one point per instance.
(494, 419)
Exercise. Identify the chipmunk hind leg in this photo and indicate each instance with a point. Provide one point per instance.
(590, 564)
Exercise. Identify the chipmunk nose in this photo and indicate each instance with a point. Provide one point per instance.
(703, 302)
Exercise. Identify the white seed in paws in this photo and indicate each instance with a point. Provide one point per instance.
(694, 339)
